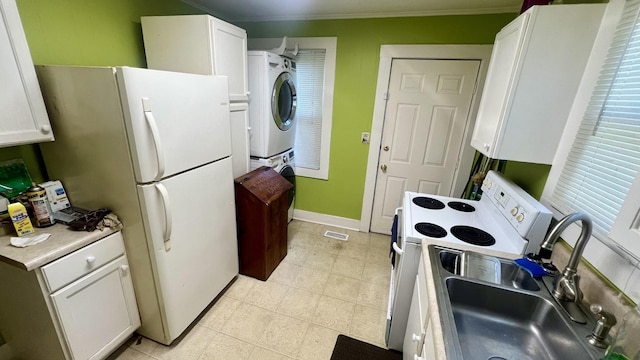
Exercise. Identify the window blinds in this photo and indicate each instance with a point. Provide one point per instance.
(605, 155)
(310, 89)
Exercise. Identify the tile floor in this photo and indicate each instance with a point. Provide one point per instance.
(324, 287)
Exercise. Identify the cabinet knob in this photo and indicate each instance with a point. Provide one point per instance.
(45, 129)
(486, 147)
(386, 148)
(416, 357)
(383, 168)
(91, 259)
(124, 269)
(415, 338)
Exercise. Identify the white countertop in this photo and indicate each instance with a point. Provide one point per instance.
(434, 314)
(62, 241)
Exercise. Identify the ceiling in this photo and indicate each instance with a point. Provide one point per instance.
(273, 10)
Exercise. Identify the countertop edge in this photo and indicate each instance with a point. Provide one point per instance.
(63, 241)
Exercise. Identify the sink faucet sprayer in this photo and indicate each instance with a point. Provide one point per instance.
(566, 287)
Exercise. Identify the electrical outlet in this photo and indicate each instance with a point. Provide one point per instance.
(365, 137)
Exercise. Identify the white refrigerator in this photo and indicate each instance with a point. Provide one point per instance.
(154, 147)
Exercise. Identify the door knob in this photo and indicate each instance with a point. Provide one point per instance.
(386, 148)
(383, 168)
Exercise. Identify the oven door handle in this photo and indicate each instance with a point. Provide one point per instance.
(395, 246)
(397, 249)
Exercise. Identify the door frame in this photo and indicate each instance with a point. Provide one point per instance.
(420, 52)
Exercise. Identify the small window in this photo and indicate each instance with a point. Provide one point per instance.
(316, 65)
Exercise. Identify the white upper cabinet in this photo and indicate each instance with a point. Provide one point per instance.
(199, 44)
(536, 66)
(23, 117)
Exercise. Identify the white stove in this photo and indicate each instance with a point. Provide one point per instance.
(506, 219)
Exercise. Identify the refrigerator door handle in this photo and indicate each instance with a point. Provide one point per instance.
(155, 133)
(164, 194)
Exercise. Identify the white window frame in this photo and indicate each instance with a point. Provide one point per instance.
(329, 44)
(612, 260)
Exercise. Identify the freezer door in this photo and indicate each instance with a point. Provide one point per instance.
(175, 121)
(195, 212)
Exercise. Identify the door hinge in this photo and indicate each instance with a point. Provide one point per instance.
(386, 96)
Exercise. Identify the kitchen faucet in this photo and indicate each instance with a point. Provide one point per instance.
(566, 287)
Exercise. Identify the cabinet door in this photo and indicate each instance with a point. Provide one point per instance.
(22, 113)
(428, 349)
(412, 337)
(498, 87)
(239, 138)
(98, 312)
(230, 57)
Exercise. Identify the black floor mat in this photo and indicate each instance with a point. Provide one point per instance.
(351, 349)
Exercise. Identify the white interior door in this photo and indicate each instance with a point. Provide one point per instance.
(427, 112)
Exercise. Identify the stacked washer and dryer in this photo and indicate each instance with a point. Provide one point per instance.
(272, 108)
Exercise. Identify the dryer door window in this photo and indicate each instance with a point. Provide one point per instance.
(283, 101)
(288, 173)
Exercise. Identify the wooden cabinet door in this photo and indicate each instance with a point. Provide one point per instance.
(102, 302)
(23, 117)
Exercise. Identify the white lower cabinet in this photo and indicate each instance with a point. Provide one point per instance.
(418, 338)
(98, 311)
(82, 304)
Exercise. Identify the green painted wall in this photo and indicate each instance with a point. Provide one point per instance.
(80, 32)
(357, 60)
(530, 177)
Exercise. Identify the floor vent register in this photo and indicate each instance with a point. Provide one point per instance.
(336, 235)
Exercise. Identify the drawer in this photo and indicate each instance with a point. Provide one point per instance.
(81, 262)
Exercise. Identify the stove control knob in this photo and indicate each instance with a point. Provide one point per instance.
(514, 211)
(487, 184)
(520, 217)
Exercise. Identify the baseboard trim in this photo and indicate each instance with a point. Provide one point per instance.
(324, 219)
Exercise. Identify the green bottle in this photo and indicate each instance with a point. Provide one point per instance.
(626, 345)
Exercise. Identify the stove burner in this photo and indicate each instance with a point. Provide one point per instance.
(473, 235)
(431, 230)
(460, 206)
(428, 203)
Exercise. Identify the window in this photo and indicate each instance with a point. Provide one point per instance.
(310, 84)
(600, 170)
(316, 65)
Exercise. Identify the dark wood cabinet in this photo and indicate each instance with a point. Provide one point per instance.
(261, 212)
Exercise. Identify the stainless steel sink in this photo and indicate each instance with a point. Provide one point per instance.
(511, 318)
(510, 274)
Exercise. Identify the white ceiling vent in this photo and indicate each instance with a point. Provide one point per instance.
(336, 235)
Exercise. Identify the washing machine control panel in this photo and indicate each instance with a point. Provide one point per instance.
(289, 64)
